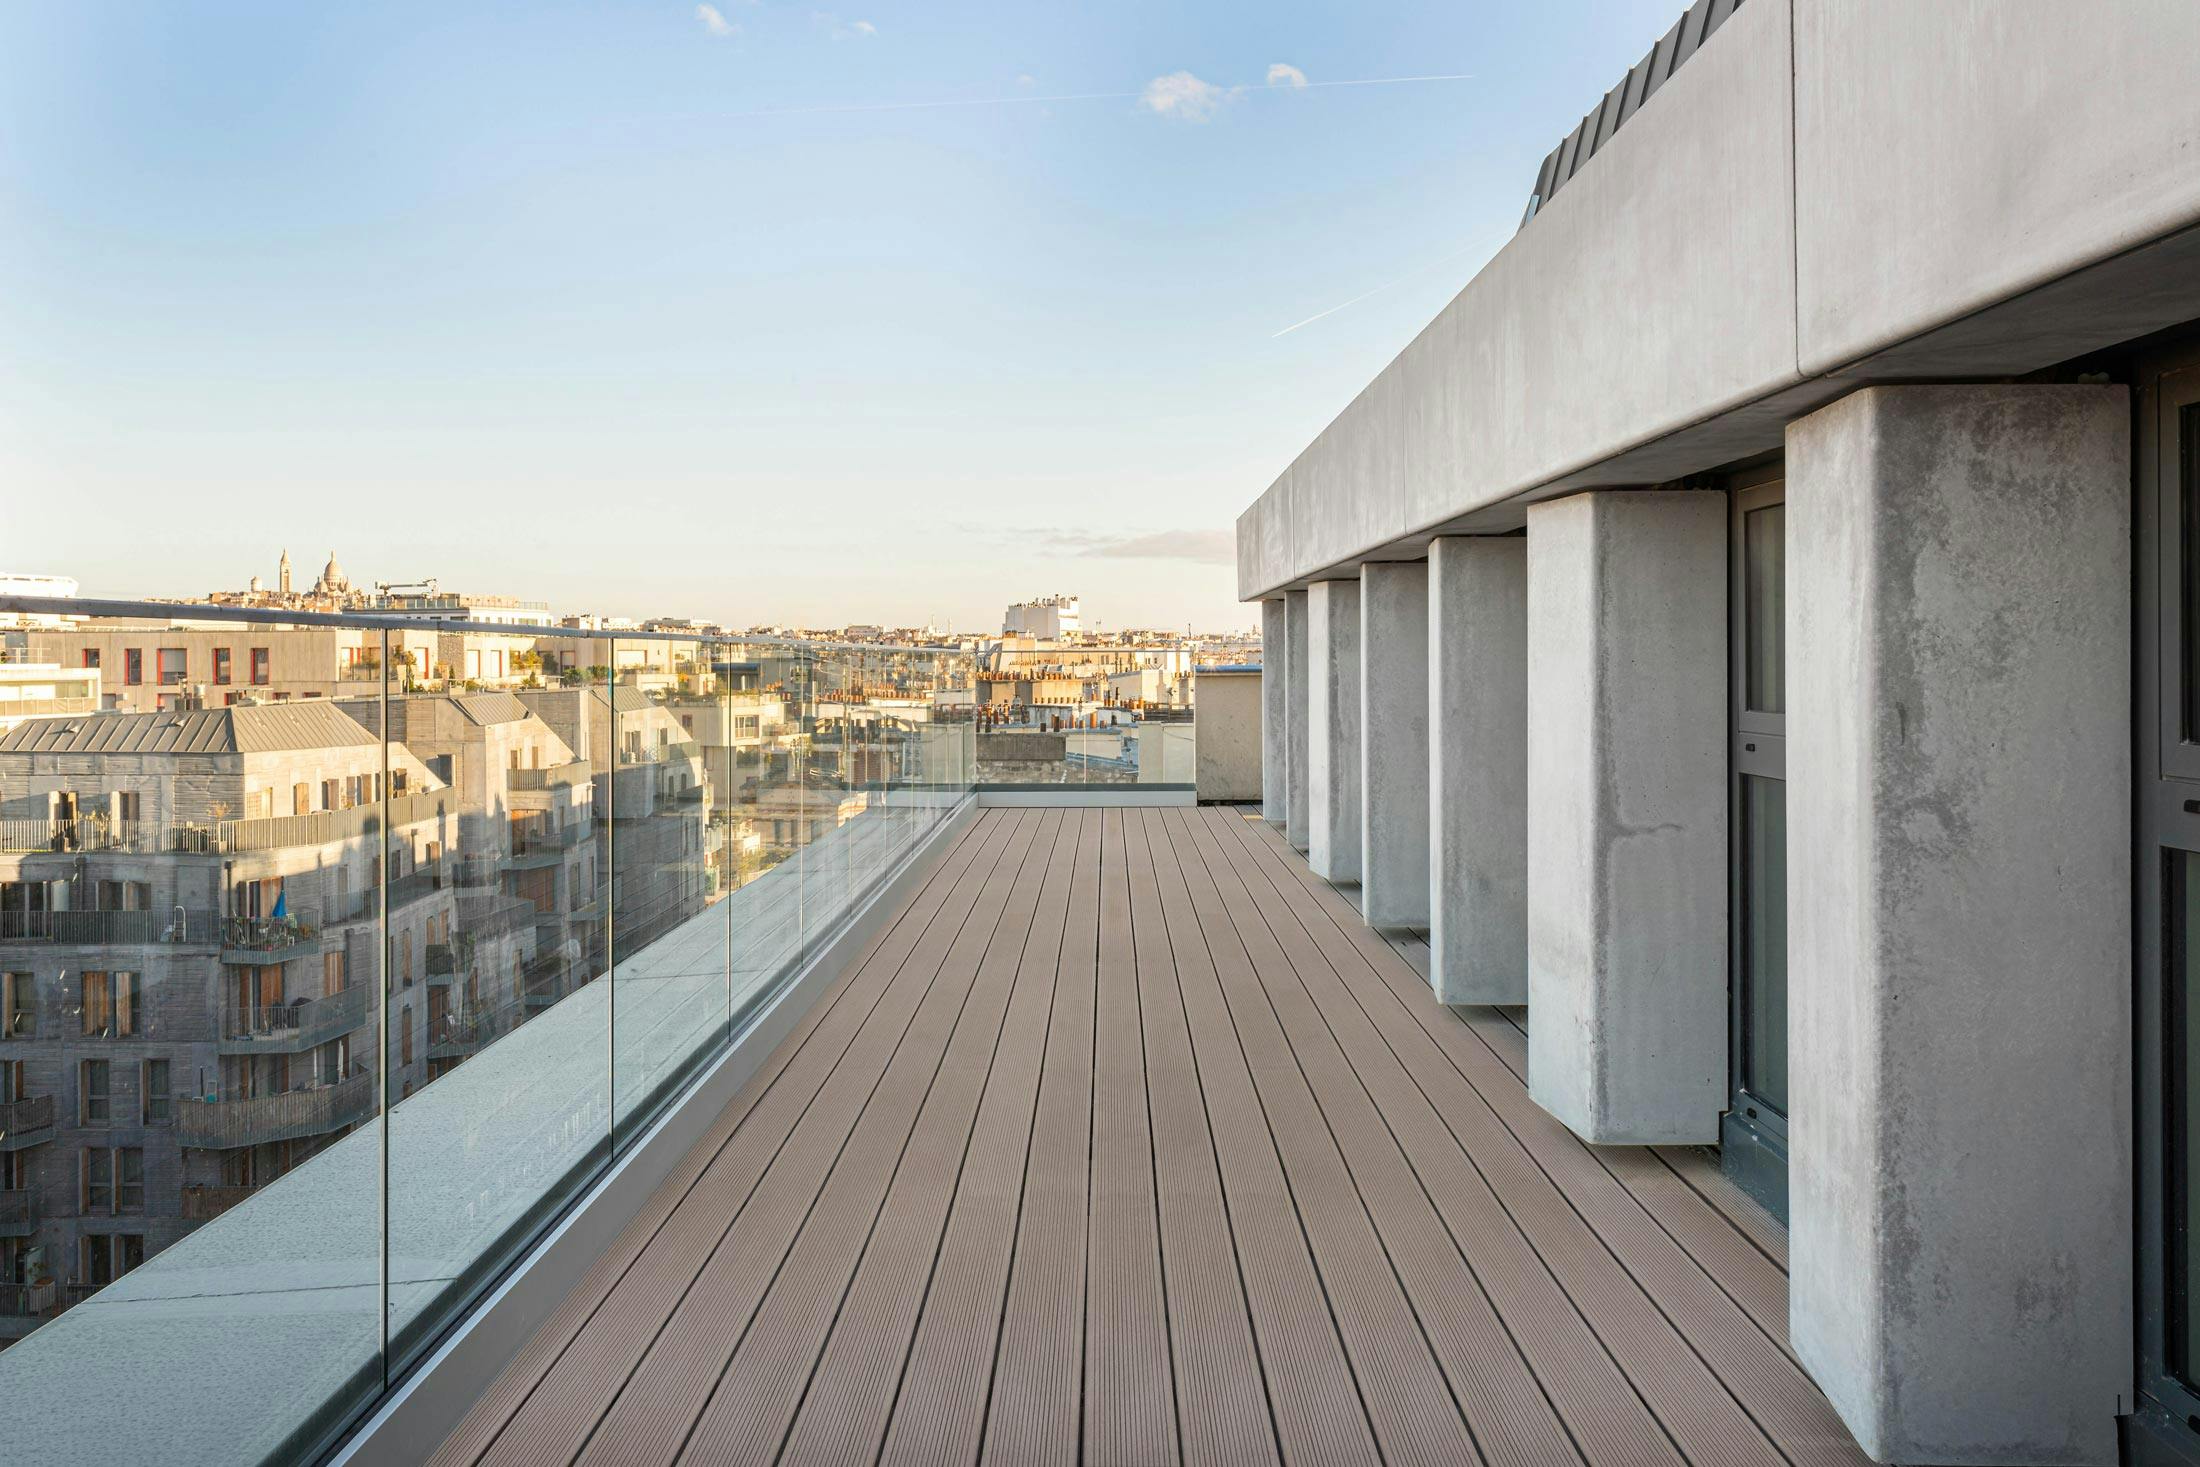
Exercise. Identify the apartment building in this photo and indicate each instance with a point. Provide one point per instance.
(524, 863)
(149, 666)
(189, 941)
(648, 793)
(30, 689)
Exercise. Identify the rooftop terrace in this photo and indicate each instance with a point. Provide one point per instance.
(1126, 1141)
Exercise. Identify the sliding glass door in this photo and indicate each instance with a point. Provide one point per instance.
(1753, 1138)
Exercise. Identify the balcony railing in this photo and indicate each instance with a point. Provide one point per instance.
(82, 833)
(480, 1157)
(314, 1111)
(204, 1203)
(113, 929)
(18, 1211)
(289, 1028)
(322, 827)
(26, 1122)
(257, 940)
(562, 776)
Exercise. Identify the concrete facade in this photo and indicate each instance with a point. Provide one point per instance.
(1333, 720)
(1394, 758)
(1615, 340)
(1627, 799)
(1295, 664)
(1274, 736)
(1959, 756)
(1478, 769)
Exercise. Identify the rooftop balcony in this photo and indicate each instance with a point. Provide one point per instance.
(1130, 1134)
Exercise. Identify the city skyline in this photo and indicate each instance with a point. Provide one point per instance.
(447, 289)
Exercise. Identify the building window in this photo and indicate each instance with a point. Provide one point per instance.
(129, 1179)
(157, 1100)
(92, 1097)
(104, 1257)
(91, 657)
(171, 664)
(221, 664)
(18, 1005)
(133, 666)
(110, 1003)
(405, 1036)
(259, 666)
(98, 1165)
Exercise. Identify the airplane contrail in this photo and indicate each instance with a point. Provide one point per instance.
(1025, 98)
(1421, 269)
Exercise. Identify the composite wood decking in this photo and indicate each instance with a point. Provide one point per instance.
(1127, 1142)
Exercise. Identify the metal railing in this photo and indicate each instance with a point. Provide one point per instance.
(82, 833)
(18, 1208)
(204, 1202)
(257, 1120)
(26, 1117)
(561, 776)
(298, 1025)
(113, 929)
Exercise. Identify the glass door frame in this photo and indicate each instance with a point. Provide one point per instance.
(1753, 1134)
(2166, 821)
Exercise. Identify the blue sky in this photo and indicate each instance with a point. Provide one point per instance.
(658, 308)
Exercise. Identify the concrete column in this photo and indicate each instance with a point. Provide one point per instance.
(1959, 941)
(1478, 769)
(1627, 814)
(1394, 744)
(1274, 698)
(1333, 717)
(1297, 808)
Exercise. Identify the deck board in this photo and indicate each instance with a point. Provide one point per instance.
(1126, 1142)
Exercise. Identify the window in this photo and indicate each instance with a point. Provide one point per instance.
(405, 1037)
(91, 657)
(18, 1006)
(104, 1257)
(96, 997)
(259, 666)
(98, 1166)
(332, 972)
(92, 1097)
(171, 664)
(129, 1179)
(301, 799)
(221, 664)
(133, 666)
(157, 1106)
(110, 1003)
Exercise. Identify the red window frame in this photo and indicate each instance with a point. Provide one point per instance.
(133, 667)
(221, 666)
(259, 667)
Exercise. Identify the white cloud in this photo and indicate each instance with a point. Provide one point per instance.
(1284, 74)
(715, 22)
(1182, 95)
(1027, 81)
(844, 30)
